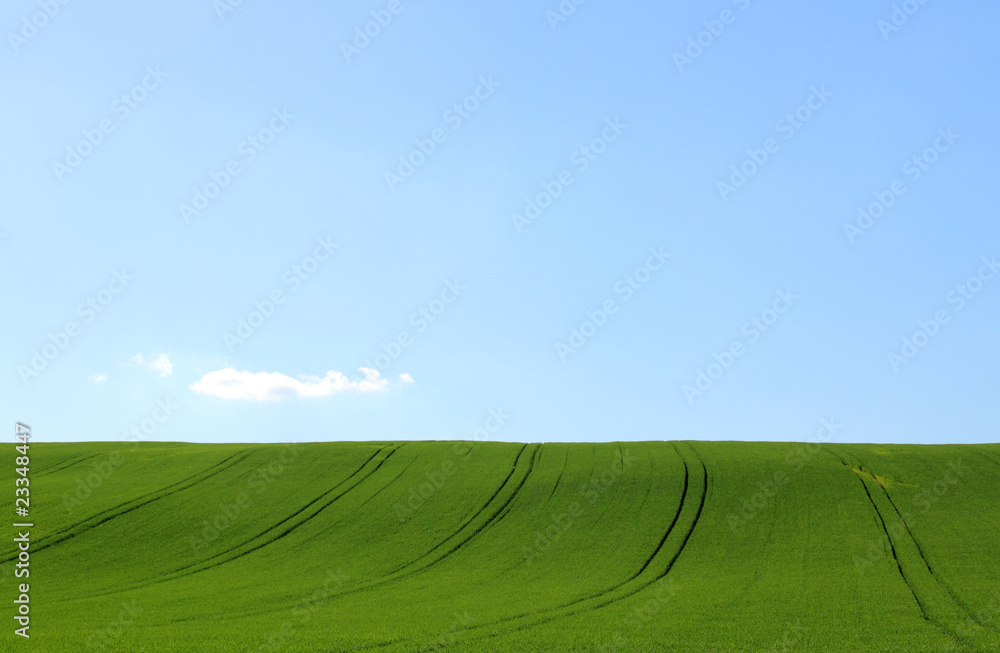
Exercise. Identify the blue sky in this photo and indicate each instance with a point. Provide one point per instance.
(466, 185)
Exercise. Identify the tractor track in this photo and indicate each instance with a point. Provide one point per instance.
(892, 548)
(107, 515)
(292, 527)
(64, 464)
(603, 593)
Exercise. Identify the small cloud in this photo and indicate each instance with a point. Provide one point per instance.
(160, 364)
(273, 386)
(405, 378)
(100, 378)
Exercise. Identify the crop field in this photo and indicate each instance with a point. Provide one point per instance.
(459, 546)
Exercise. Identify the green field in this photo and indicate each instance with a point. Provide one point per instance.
(376, 546)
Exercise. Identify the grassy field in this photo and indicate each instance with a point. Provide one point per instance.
(383, 546)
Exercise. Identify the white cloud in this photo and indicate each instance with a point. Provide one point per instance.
(100, 378)
(160, 364)
(272, 386)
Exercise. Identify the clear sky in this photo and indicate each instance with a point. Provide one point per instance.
(742, 208)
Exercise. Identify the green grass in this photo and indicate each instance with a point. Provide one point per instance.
(653, 546)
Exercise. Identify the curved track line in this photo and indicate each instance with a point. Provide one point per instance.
(649, 487)
(58, 467)
(927, 563)
(670, 565)
(899, 566)
(605, 592)
(659, 546)
(559, 478)
(466, 522)
(395, 575)
(892, 548)
(201, 563)
(680, 549)
(673, 522)
(961, 604)
(988, 455)
(494, 518)
(197, 477)
(107, 515)
(362, 504)
(173, 575)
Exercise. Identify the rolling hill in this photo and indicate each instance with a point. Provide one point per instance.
(461, 546)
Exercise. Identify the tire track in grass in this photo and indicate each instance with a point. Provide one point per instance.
(608, 504)
(559, 478)
(467, 521)
(201, 565)
(107, 515)
(494, 518)
(173, 575)
(353, 590)
(895, 556)
(988, 455)
(666, 535)
(673, 522)
(362, 504)
(645, 584)
(649, 488)
(394, 575)
(892, 547)
(64, 464)
(954, 597)
(381, 489)
(958, 602)
(602, 594)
